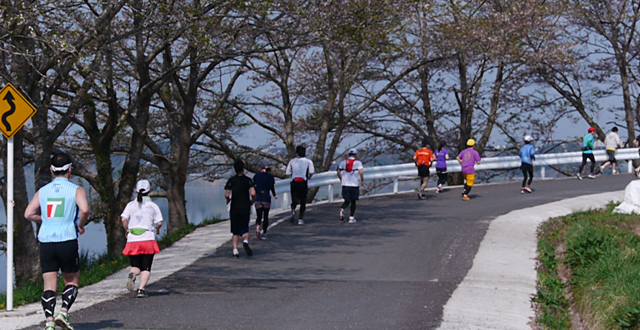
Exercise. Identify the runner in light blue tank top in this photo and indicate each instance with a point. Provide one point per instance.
(60, 217)
(63, 210)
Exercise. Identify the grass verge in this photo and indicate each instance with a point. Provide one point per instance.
(93, 270)
(588, 265)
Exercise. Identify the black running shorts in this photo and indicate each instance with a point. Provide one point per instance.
(423, 171)
(350, 194)
(59, 256)
(299, 191)
(239, 222)
(142, 261)
(612, 156)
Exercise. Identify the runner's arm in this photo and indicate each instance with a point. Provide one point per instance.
(338, 172)
(227, 195)
(252, 191)
(83, 209)
(361, 170)
(31, 213)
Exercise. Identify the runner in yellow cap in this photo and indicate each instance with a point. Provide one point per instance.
(468, 158)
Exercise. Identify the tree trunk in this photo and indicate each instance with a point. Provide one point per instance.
(26, 249)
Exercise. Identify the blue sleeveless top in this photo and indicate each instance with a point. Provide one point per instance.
(59, 212)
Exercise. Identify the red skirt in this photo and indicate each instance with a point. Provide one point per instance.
(144, 247)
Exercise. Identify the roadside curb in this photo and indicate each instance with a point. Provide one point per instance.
(496, 292)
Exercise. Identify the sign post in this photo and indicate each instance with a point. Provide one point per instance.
(16, 110)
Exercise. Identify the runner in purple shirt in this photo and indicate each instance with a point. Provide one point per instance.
(442, 155)
(468, 159)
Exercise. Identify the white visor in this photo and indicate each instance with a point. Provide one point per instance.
(60, 169)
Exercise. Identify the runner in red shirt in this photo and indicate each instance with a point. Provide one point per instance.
(422, 159)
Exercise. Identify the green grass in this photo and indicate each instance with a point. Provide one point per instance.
(95, 269)
(601, 252)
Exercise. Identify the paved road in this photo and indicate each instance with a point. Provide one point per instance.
(394, 269)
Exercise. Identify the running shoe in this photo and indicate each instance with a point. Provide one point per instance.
(62, 320)
(236, 255)
(341, 217)
(247, 249)
(300, 222)
(579, 176)
(293, 217)
(420, 195)
(131, 282)
(465, 198)
(264, 236)
(141, 294)
(257, 231)
(591, 176)
(352, 220)
(522, 191)
(528, 189)
(50, 326)
(614, 172)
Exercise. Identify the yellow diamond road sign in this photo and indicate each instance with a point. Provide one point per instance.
(15, 111)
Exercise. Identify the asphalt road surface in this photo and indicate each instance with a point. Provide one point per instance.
(394, 269)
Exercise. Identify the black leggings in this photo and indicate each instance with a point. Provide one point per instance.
(584, 162)
(442, 175)
(527, 170)
(353, 206)
(263, 213)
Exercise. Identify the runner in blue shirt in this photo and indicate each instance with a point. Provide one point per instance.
(587, 153)
(265, 186)
(527, 155)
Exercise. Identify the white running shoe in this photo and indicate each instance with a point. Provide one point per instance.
(614, 172)
(579, 176)
(131, 282)
(352, 220)
(591, 176)
(300, 222)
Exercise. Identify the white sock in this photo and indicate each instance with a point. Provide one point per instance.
(235, 251)
(246, 242)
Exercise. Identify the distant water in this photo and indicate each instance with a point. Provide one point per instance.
(204, 201)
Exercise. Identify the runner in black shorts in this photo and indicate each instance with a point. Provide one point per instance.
(62, 208)
(301, 169)
(240, 192)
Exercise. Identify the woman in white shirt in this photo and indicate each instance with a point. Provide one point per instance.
(138, 218)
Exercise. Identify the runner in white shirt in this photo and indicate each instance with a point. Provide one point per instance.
(351, 175)
(301, 169)
(138, 218)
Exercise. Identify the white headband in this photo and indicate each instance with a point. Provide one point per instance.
(60, 169)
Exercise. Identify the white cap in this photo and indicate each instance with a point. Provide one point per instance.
(353, 151)
(528, 138)
(143, 186)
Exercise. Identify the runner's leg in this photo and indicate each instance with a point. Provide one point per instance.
(353, 208)
(265, 222)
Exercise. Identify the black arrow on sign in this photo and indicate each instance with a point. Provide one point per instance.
(9, 99)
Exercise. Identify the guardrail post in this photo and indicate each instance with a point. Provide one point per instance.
(285, 200)
(330, 192)
(543, 172)
(395, 185)
(630, 162)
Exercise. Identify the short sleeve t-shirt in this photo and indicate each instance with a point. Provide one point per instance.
(469, 158)
(423, 156)
(587, 144)
(441, 156)
(239, 186)
(300, 167)
(264, 183)
(350, 179)
(142, 216)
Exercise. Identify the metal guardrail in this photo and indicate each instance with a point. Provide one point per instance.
(395, 172)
